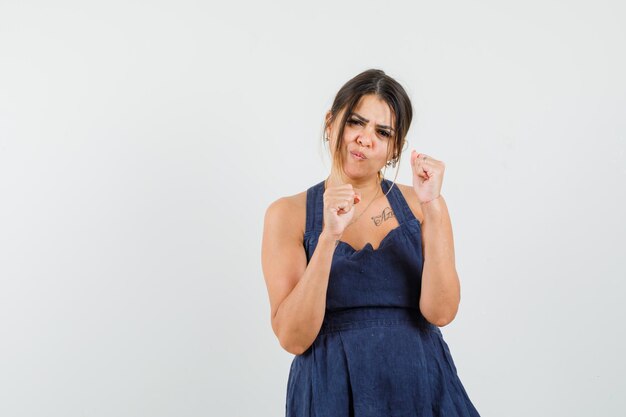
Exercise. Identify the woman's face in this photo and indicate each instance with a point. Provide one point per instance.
(368, 133)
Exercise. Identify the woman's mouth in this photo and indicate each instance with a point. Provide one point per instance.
(357, 155)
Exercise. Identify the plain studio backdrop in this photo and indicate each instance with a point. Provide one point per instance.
(141, 142)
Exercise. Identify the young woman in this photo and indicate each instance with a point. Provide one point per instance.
(361, 273)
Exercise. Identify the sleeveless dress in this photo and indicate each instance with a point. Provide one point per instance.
(375, 354)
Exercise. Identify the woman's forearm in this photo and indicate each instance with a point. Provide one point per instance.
(299, 317)
(440, 293)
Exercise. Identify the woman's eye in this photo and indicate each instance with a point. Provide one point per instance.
(358, 122)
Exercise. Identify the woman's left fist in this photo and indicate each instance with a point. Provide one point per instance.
(427, 176)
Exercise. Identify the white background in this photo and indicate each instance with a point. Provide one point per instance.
(141, 142)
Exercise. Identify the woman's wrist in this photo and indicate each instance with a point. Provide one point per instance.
(430, 201)
(329, 238)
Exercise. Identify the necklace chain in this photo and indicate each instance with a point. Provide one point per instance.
(365, 209)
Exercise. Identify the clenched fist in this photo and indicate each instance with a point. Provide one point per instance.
(339, 199)
(427, 176)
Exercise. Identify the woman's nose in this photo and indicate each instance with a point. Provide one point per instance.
(364, 139)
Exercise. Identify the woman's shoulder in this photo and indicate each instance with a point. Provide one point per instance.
(290, 210)
(411, 199)
(291, 202)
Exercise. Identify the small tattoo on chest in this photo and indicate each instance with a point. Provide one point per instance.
(386, 214)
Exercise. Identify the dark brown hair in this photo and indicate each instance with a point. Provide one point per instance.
(373, 81)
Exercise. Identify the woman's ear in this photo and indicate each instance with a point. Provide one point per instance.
(327, 124)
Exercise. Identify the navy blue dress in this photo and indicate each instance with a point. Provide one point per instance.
(375, 355)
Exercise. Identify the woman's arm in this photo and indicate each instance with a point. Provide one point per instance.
(441, 292)
(297, 292)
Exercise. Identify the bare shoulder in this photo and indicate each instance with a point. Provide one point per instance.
(411, 198)
(290, 210)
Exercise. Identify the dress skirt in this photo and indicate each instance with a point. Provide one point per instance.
(376, 362)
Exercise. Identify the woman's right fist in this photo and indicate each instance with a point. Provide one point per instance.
(338, 208)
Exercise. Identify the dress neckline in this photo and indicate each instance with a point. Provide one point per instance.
(368, 246)
(402, 211)
(398, 205)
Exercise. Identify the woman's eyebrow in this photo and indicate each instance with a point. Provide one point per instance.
(367, 121)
